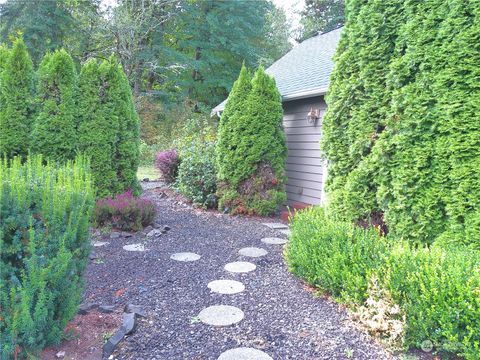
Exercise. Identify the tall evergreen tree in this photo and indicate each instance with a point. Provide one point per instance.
(322, 16)
(50, 25)
(97, 133)
(358, 105)
(17, 92)
(256, 177)
(401, 130)
(119, 106)
(234, 108)
(54, 133)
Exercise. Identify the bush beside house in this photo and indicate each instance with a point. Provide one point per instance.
(432, 293)
(252, 147)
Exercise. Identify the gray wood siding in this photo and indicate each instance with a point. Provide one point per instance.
(304, 163)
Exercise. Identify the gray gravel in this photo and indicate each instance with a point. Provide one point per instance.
(281, 317)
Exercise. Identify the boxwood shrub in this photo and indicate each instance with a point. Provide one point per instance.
(437, 288)
(44, 246)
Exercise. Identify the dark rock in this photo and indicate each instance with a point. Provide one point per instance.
(93, 256)
(115, 235)
(129, 322)
(84, 308)
(136, 309)
(106, 309)
(110, 345)
(146, 180)
(154, 233)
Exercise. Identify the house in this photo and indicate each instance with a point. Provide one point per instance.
(302, 77)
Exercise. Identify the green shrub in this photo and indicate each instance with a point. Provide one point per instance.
(439, 292)
(335, 256)
(196, 176)
(252, 152)
(437, 289)
(54, 133)
(16, 96)
(44, 247)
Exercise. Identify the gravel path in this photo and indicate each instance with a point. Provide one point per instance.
(282, 318)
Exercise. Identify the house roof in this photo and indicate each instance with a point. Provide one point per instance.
(305, 70)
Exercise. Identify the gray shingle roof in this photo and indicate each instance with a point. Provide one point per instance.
(305, 70)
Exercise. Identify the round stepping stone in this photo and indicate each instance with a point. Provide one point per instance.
(185, 256)
(100, 243)
(134, 247)
(244, 353)
(253, 252)
(240, 267)
(226, 286)
(221, 315)
(274, 241)
(286, 232)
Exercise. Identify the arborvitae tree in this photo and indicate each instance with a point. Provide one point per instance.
(406, 148)
(17, 92)
(54, 133)
(234, 108)
(257, 163)
(359, 105)
(97, 134)
(119, 106)
(460, 106)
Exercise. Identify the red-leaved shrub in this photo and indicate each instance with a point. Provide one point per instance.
(124, 212)
(167, 163)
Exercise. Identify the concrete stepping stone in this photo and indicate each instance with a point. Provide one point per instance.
(134, 247)
(240, 267)
(226, 286)
(276, 226)
(285, 232)
(185, 256)
(253, 252)
(221, 315)
(244, 353)
(274, 241)
(100, 243)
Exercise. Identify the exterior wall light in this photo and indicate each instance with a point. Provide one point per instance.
(313, 115)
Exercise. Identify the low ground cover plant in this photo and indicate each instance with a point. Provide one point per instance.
(167, 163)
(44, 246)
(436, 288)
(124, 212)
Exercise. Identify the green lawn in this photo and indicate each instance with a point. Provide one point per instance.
(147, 172)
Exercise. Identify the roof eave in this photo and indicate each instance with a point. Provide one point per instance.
(306, 94)
(290, 97)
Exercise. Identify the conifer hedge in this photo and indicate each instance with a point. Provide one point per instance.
(252, 152)
(401, 131)
(54, 132)
(16, 94)
(44, 246)
(97, 129)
